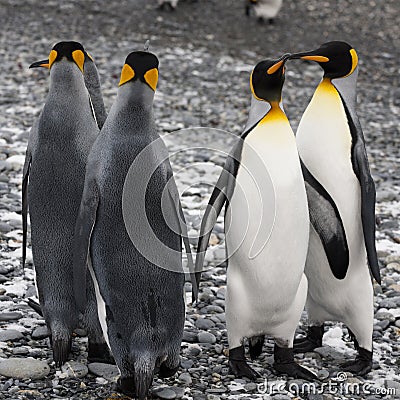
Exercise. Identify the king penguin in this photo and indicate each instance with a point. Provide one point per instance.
(342, 240)
(93, 85)
(263, 187)
(132, 235)
(53, 178)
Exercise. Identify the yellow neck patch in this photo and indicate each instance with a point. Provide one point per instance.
(274, 114)
(127, 74)
(151, 78)
(79, 58)
(52, 57)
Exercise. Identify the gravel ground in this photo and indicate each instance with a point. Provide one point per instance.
(206, 50)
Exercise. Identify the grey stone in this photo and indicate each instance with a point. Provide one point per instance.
(382, 315)
(75, 369)
(204, 323)
(40, 332)
(24, 368)
(185, 378)
(329, 352)
(10, 316)
(206, 337)
(166, 393)
(10, 335)
(106, 371)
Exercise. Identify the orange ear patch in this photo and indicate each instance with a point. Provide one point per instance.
(79, 58)
(52, 57)
(127, 74)
(151, 78)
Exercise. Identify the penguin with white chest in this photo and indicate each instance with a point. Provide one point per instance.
(53, 178)
(263, 187)
(132, 235)
(332, 149)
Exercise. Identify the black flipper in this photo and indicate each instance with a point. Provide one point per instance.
(221, 194)
(35, 306)
(25, 180)
(174, 195)
(368, 193)
(81, 246)
(346, 89)
(326, 220)
(226, 183)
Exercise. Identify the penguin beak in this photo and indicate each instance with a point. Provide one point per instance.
(310, 55)
(279, 64)
(43, 64)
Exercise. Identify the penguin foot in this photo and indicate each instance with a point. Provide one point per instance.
(167, 372)
(284, 364)
(362, 365)
(255, 346)
(311, 341)
(242, 370)
(61, 350)
(99, 352)
(239, 366)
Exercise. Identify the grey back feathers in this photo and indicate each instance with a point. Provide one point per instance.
(58, 146)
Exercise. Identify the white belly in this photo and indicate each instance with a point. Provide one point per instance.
(267, 226)
(324, 144)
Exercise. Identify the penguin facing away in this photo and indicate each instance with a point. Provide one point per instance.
(263, 187)
(93, 85)
(53, 178)
(336, 156)
(141, 302)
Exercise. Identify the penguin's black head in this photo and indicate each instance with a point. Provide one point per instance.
(337, 59)
(267, 78)
(72, 51)
(142, 66)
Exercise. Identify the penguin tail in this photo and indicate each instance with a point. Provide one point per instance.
(144, 371)
(61, 342)
(61, 350)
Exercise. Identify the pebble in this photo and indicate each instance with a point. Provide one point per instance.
(10, 316)
(74, 369)
(40, 332)
(185, 378)
(107, 371)
(24, 368)
(206, 337)
(166, 393)
(10, 335)
(204, 323)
